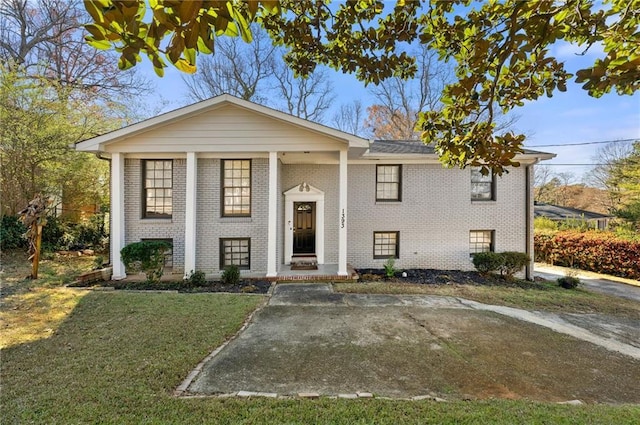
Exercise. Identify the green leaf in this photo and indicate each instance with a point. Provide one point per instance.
(98, 44)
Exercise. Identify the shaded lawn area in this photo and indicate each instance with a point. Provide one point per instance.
(117, 357)
(543, 296)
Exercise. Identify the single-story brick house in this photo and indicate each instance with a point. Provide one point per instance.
(568, 214)
(231, 182)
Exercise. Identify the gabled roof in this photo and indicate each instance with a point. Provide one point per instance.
(96, 143)
(556, 212)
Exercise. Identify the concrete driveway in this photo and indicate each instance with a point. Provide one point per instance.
(610, 285)
(308, 339)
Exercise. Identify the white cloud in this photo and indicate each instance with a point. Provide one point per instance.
(566, 51)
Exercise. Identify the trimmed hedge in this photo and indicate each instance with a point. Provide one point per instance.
(600, 252)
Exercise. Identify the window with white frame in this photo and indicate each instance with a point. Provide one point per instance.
(157, 196)
(236, 187)
(481, 241)
(386, 244)
(388, 182)
(235, 251)
(482, 186)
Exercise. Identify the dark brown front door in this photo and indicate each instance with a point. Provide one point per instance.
(304, 227)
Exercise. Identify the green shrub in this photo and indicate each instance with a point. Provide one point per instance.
(12, 233)
(231, 275)
(91, 234)
(575, 223)
(56, 235)
(513, 263)
(545, 224)
(626, 231)
(146, 256)
(569, 282)
(197, 278)
(98, 262)
(390, 268)
(487, 262)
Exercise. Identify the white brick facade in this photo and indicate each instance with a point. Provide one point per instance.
(138, 228)
(433, 217)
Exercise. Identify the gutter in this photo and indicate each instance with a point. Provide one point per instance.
(529, 268)
(529, 250)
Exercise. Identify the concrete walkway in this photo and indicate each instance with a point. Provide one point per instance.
(310, 340)
(610, 285)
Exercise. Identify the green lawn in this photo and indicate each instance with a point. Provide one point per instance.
(544, 296)
(117, 357)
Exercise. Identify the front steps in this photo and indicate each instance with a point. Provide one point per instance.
(304, 262)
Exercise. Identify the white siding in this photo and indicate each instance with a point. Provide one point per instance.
(228, 128)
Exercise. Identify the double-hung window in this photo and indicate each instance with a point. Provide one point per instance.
(482, 186)
(481, 241)
(235, 251)
(157, 197)
(386, 244)
(388, 183)
(236, 187)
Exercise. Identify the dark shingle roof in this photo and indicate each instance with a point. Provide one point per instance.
(556, 212)
(400, 147)
(378, 147)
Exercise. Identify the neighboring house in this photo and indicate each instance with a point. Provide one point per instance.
(558, 213)
(231, 182)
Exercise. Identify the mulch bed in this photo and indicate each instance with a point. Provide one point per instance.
(247, 286)
(444, 277)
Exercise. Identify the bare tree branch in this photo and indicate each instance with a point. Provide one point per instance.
(402, 100)
(237, 68)
(307, 98)
(350, 118)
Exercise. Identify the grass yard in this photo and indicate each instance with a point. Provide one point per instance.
(118, 356)
(551, 298)
(76, 356)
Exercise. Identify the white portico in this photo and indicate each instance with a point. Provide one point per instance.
(282, 152)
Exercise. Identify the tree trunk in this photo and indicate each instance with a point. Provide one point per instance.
(36, 255)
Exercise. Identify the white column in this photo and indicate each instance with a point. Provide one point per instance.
(190, 215)
(272, 226)
(117, 215)
(342, 219)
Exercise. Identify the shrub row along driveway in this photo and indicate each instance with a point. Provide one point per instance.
(309, 339)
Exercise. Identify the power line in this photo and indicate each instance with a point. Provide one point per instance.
(585, 143)
(577, 165)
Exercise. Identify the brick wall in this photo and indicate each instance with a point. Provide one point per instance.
(434, 217)
(138, 228)
(211, 226)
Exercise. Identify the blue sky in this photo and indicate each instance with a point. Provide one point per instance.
(566, 118)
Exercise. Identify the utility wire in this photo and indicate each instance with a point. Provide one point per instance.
(584, 143)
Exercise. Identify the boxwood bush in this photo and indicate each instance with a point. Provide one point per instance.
(146, 256)
(487, 262)
(513, 263)
(507, 263)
